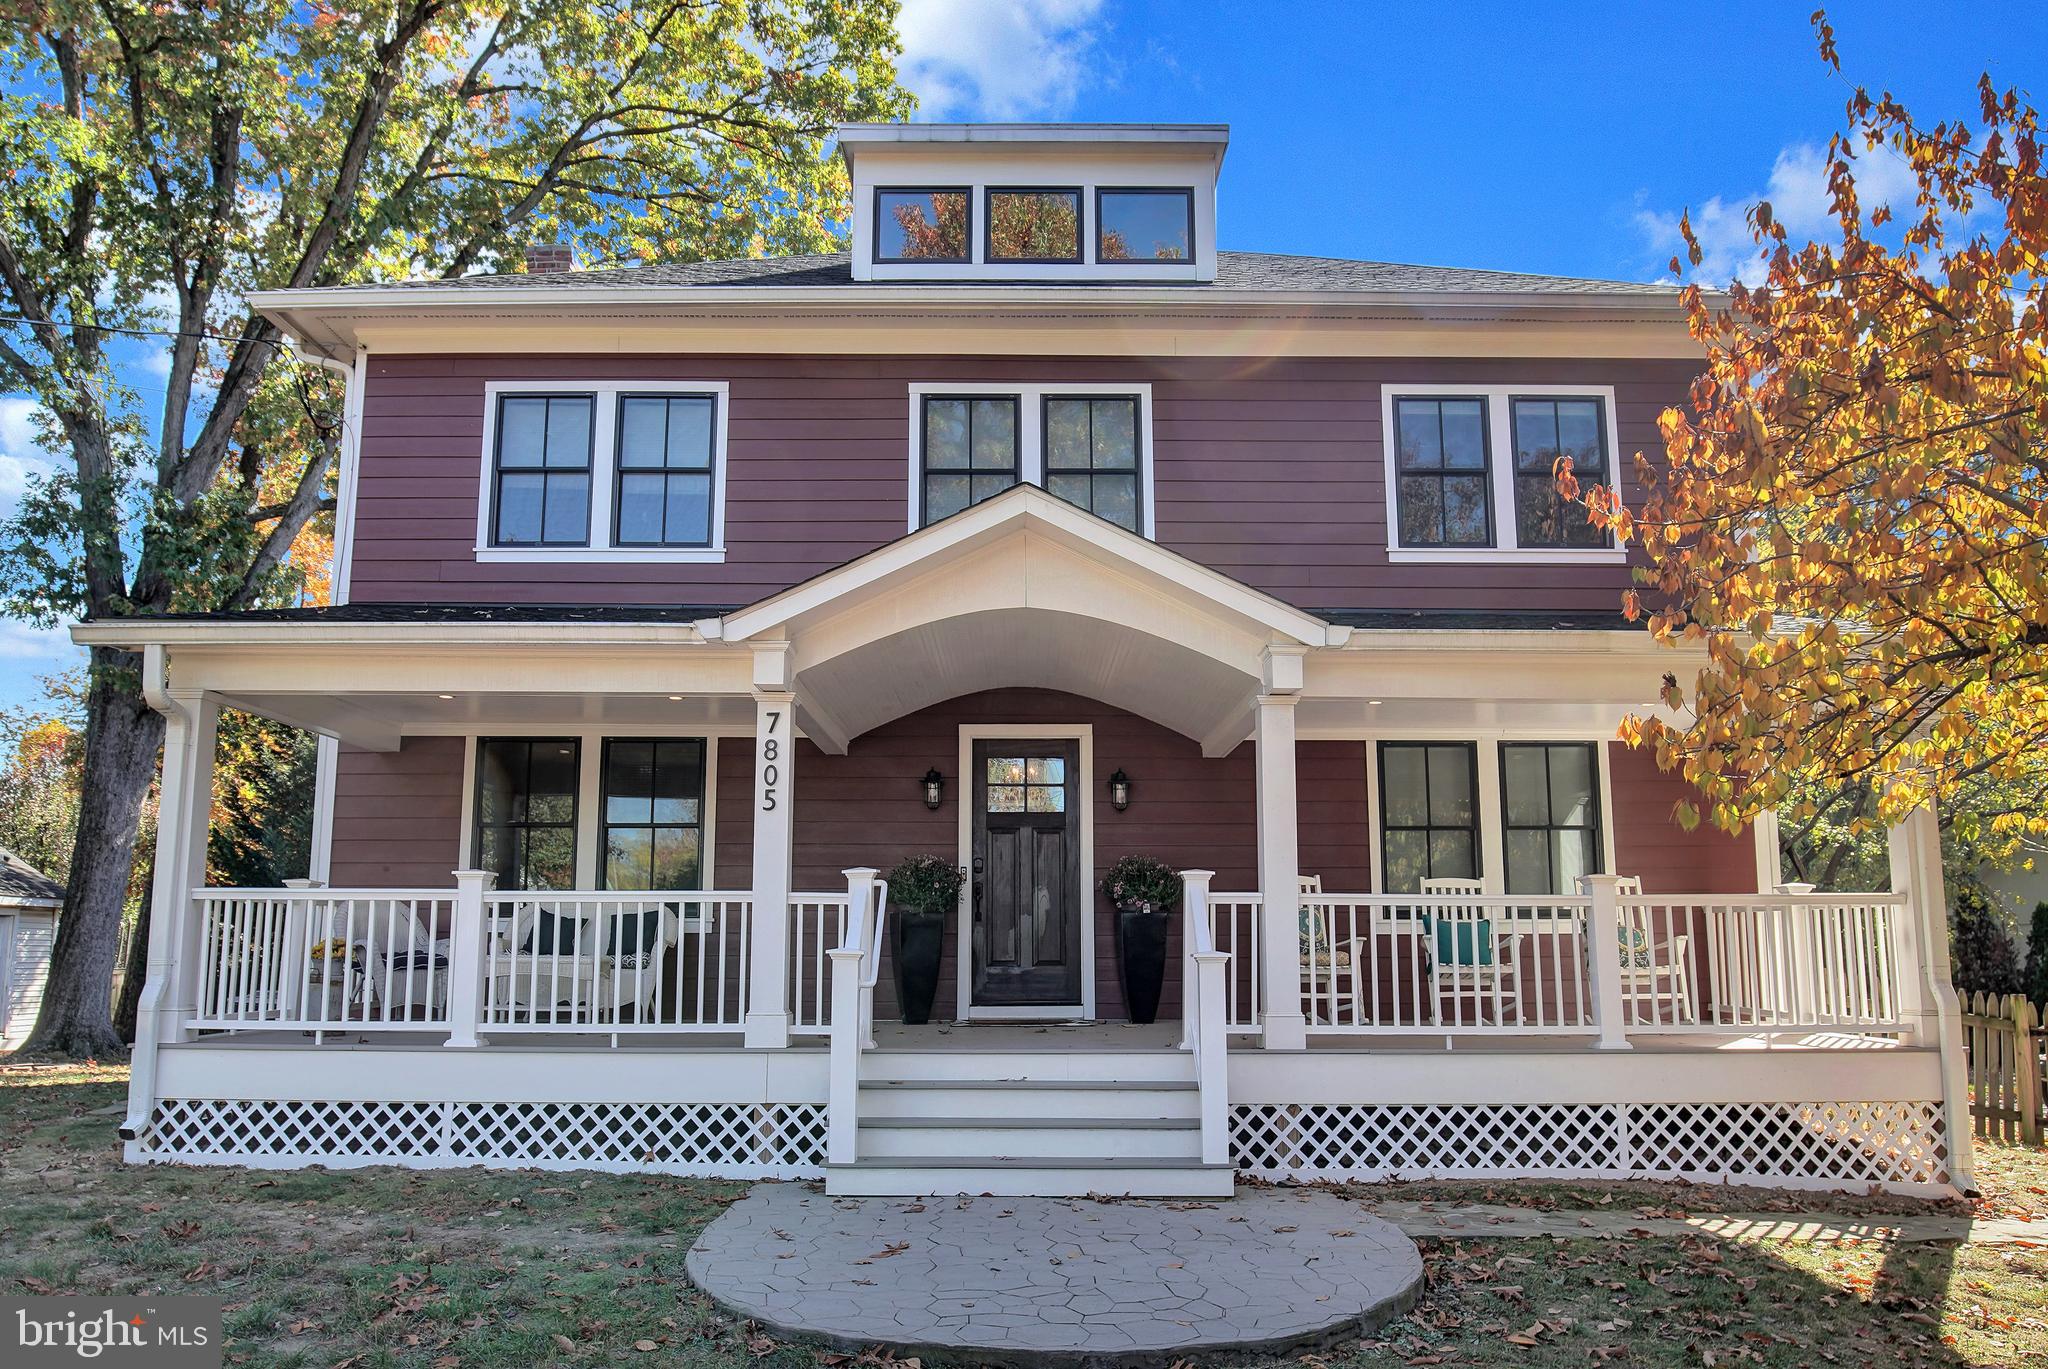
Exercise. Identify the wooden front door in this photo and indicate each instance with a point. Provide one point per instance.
(1026, 874)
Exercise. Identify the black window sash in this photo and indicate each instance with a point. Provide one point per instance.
(1185, 192)
(709, 473)
(606, 826)
(925, 469)
(1516, 474)
(527, 823)
(499, 470)
(966, 192)
(1427, 826)
(1593, 825)
(1443, 472)
(1135, 472)
(988, 229)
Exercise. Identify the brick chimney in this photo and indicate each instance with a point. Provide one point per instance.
(543, 258)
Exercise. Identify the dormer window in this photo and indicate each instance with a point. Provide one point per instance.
(1131, 204)
(1034, 225)
(1144, 225)
(923, 225)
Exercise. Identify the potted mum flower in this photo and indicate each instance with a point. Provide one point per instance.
(924, 891)
(1145, 892)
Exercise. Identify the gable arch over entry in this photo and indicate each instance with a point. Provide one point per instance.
(1026, 589)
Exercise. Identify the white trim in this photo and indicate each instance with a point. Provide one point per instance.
(1486, 746)
(590, 787)
(326, 759)
(1020, 504)
(1501, 473)
(1031, 432)
(604, 471)
(970, 733)
(347, 478)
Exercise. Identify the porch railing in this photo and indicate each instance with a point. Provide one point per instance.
(620, 964)
(364, 959)
(856, 967)
(1391, 964)
(472, 960)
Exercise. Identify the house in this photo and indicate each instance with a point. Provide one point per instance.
(676, 601)
(29, 903)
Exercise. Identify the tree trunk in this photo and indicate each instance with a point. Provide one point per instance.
(122, 738)
(129, 1006)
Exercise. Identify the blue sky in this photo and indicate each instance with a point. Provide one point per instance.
(1527, 137)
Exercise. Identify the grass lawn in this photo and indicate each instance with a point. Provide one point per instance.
(452, 1269)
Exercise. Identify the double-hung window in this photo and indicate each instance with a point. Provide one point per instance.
(542, 479)
(653, 813)
(628, 470)
(970, 451)
(1089, 444)
(526, 810)
(1472, 471)
(1429, 813)
(1550, 815)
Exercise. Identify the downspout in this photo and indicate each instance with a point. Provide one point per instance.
(327, 751)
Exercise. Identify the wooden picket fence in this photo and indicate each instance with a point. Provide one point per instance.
(2004, 1037)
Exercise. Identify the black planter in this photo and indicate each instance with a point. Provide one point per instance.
(919, 939)
(1141, 955)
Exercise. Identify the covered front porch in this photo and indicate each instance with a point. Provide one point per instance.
(631, 862)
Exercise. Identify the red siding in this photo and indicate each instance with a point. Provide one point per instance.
(1267, 469)
(1649, 842)
(398, 815)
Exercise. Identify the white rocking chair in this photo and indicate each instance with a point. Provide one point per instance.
(1330, 984)
(1652, 975)
(1471, 958)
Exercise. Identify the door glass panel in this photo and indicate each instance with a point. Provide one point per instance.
(1047, 770)
(1006, 798)
(1006, 770)
(1043, 798)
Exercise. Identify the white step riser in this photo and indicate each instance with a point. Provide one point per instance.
(1147, 1067)
(883, 1143)
(1049, 1101)
(883, 1180)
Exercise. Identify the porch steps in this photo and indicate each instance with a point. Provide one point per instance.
(1013, 1123)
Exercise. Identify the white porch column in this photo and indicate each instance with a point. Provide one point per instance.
(1194, 911)
(1284, 1027)
(1927, 995)
(767, 1024)
(170, 990)
(1603, 960)
(466, 957)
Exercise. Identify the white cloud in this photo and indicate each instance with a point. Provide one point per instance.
(22, 456)
(20, 642)
(1799, 199)
(998, 59)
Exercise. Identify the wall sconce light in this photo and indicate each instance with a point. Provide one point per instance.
(934, 789)
(1119, 791)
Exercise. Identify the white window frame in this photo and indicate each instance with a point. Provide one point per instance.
(604, 471)
(1492, 805)
(1030, 432)
(590, 788)
(1501, 476)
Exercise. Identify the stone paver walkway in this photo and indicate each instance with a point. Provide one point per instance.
(1057, 1281)
(1487, 1219)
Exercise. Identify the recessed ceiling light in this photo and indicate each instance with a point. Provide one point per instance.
(1374, 702)
(675, 698)
(447, 696)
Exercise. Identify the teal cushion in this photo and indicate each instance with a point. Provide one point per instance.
(1315, 937)
(1464, 943)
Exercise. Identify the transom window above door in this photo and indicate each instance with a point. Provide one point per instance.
(607, 471)
(1471, 471)
(1089, 444)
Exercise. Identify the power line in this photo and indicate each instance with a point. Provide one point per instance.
(25, 321)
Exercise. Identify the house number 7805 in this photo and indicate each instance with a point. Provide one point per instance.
(771, 771)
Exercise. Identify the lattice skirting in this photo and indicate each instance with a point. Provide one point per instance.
(730, 1140)
(1817, 1145)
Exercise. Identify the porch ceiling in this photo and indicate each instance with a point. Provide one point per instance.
(1158, 679)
